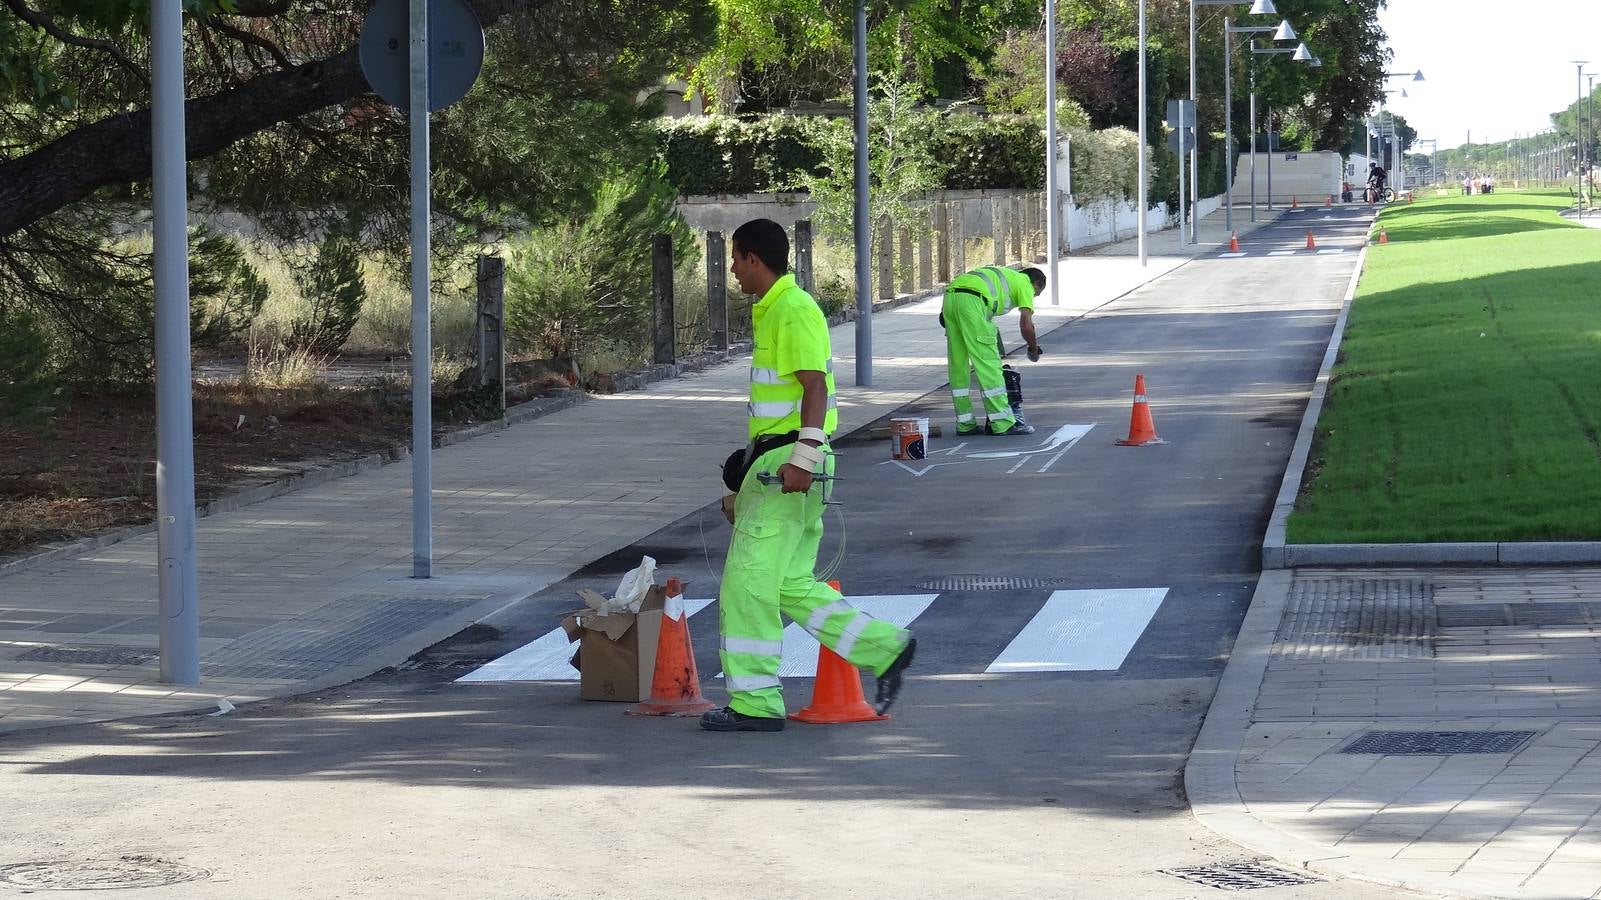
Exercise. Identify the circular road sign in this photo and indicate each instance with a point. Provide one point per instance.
(455, 51)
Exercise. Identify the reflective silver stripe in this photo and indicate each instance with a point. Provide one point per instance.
(821, 615)
(772, 409)
(1002, 295)
(995, 392)
(765, 376)
(752, 645)
(833, 402)
(961, 392)
(829, 366)
(964, 418)
(747, 683)
(847, 640)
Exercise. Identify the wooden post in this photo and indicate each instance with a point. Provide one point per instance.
(491, 325)
(663, 324)
(925, 255)
(942, 229)
(805, 276)
(908, 263)
(1031, 216)
(886, 259)
(1016, 221)
(998, 230)
(717, 289)
(958, 240)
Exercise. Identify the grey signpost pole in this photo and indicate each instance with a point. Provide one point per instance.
(1195, 151)
(1183, 197)
(1144, 193)
(1253, 132)
(864, 237)
(1228, 125)
(175, 450)
(1051, 152)
(422, 418)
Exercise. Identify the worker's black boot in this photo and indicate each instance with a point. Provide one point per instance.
(727, 719)
(889, 683)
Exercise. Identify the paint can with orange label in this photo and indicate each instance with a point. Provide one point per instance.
(908, 438)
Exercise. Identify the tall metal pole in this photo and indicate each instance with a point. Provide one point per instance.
(1578, 176)
(1144, 187)
(1271, 147)
(864, 234)
(175, 450)
(1051, 150)
(1195, 151)
(1228, 126)
(1183, 188)
(1253, 135)
(422, 414)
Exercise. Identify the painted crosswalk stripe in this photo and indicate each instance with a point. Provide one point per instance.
(544, 659)
(1331, 251)
(1231, 255)
(800, 648)
(1081, 631)
(1281, 253)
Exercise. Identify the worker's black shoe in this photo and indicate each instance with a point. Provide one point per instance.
(1018, 427)
(727, 719)
(889, 683)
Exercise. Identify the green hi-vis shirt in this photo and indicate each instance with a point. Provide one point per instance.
(791, 336)
(1002, 288)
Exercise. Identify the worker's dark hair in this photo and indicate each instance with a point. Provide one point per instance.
(767, 240)
(1036, 276)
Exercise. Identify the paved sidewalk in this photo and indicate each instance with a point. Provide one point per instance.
(309, 589)
(1329, 656)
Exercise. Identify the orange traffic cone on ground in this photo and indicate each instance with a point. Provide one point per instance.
(1384, 236)
(1311, 242)
(1141, 430)
(1294, 203)
(837, 695)
(1234, 242)
(675, 686)
(1411, 197)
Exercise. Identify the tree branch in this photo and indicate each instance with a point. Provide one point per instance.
(255, 40)
(47, 23)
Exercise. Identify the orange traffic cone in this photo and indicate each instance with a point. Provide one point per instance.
(1141, 430)
(1384, 236)
(675, 686)
(1294, 203)
(1411, 197)
(1234, 242)
(1311, 242)
(837, 696)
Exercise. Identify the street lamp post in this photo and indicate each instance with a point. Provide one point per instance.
(1283, 32)
(1051, 248)
(1300, 54)
(1258, 8)
(1578, 137)
(1144, 187)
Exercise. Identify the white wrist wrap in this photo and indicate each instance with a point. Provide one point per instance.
(806, 456)
(813, 434)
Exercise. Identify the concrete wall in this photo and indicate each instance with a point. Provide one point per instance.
(1308, 176)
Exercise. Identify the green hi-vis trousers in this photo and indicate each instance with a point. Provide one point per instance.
(971, 339)
(771, 570)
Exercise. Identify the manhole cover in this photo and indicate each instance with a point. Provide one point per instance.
(1242, 876)
(988, 583)
(98, 656)
(1438, 742)
(131, 871)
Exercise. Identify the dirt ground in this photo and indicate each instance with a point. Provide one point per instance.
(92, 466)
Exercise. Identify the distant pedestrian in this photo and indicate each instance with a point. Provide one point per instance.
(1467, 186)
(973, 302)
(772, 558)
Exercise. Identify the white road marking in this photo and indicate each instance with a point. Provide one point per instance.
(1330, 251)
(1281, 253)
(1081, 631)
(544, 659)
(1063, 435)
(800, 648)
(1235, 255)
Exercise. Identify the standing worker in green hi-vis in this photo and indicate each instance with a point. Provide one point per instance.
(779, 482)
(972, 303)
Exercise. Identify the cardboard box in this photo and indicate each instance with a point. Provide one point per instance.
(616, 657)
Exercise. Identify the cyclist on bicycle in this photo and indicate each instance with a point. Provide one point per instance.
(1377, 179)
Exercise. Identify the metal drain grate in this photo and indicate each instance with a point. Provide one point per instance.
(89, 656)
(132, 871)
(988, 583)
(1498, 615)
(1441, 743)
(1242, 876)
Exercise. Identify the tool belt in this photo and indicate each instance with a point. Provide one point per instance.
(738, 464)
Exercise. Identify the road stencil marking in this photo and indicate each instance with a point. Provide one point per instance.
(1081, 631)
(1067, 434)
(800, 648)
(544, 659)
(1059, 442)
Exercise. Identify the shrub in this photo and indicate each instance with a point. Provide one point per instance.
(334, 289)
(27, 384)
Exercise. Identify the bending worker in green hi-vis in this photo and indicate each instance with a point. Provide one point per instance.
(779, 482)
(972, 303)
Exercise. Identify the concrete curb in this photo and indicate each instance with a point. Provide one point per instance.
(1214, 796)
(1277, 553)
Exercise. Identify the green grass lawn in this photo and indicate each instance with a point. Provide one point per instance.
(1466, 405)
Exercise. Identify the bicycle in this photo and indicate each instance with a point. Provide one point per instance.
(1370, 195)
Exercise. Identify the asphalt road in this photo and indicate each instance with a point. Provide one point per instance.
(1031, 784)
